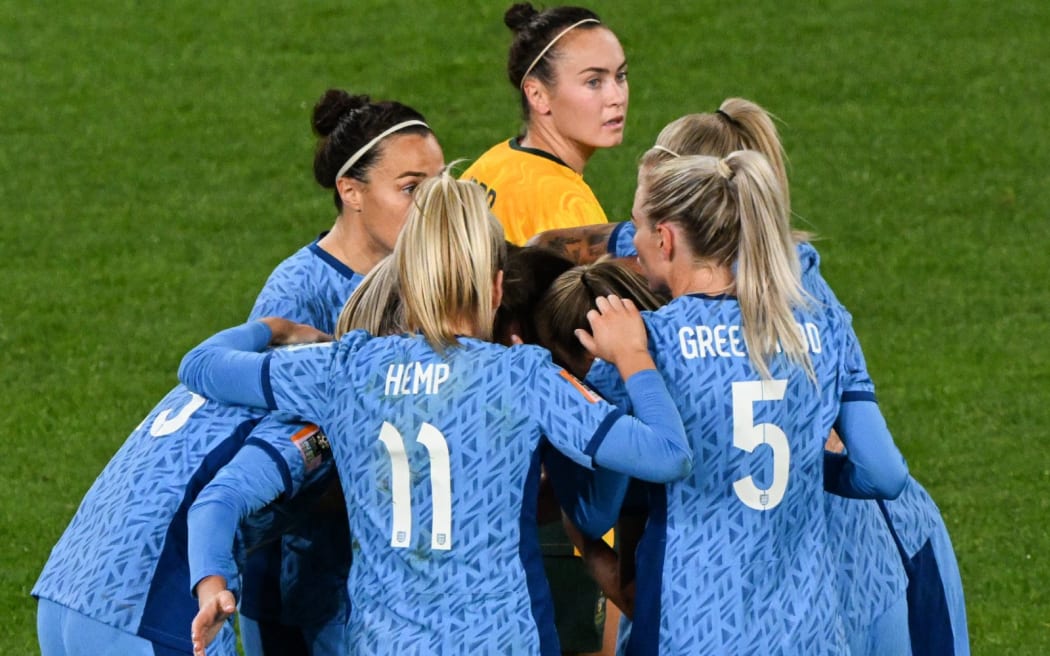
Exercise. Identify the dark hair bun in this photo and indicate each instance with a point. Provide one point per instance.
(518, 16)
(332, 107)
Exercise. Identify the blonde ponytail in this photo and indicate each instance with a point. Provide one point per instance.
(733, 211)
(447, 257)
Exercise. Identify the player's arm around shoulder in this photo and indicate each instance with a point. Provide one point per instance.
(652, 445)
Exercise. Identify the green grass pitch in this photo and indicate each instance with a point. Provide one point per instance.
(155, 165)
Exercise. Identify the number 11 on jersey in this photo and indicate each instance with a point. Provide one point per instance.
(401, 486)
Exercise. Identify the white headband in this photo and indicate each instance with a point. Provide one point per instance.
(551, 45)
(666, 150)
(368, 146)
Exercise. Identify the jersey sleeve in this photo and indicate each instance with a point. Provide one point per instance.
(258, 474)
(590, 497)
(605, 379)
(590, 431)
(874, 467)
(574, 418)
(274, 463)
(652, 444)
(296, 379)
(621, 241)
(228, 366)
(284, 303)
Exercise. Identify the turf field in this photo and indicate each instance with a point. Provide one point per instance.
(155, 164)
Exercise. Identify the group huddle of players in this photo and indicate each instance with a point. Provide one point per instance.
(428, 483)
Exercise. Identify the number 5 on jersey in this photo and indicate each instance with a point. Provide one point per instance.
(747, 436)
(401, 486)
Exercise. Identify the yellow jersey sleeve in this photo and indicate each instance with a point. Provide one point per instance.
(530, 191)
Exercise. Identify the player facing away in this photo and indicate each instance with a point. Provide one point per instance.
(372, 155)
(571, 74)
(117, 582)
(436, 434)
(733, 557)
(870, 575)
(242, 489)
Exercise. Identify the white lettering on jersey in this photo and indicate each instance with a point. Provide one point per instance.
(728, 341)
(415, 378)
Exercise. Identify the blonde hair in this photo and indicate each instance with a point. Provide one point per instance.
(738, 124)
(732, 210)
(447, 258)
(375, 305)
(571, 296)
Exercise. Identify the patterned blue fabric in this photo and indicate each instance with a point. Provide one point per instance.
(936, 605)
(309, 287)
(727, 564)
(621, 241)
(438, 457)
(868, 572)
(64, 632)
(121, 561)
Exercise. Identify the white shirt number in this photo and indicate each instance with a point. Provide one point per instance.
(747, 435)
(400, 486)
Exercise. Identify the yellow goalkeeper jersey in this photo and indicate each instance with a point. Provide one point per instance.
(530, 191)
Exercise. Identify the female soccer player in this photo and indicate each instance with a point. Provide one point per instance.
(733, 557)
(372, 154)
(870, 578)
(559, 313)
(254, 479)
(881, 573)
(435, 434)
(571, 74)
(118, 580)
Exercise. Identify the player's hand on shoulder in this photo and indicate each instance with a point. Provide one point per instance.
(284, 332)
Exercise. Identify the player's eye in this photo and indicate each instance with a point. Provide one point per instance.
(593, 83)
(621, 76)
(409, 188)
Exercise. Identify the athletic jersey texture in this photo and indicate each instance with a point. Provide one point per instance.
(734, 557)
(936, 604)
(122, 559)
(530, 191)
(311, 287)
(439, 460)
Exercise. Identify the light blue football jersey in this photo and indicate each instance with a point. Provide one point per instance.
(283, 477)
(868, 571)
(936, 604)
(122, 559)
(734, 557)
(310, 287)
(439, 462)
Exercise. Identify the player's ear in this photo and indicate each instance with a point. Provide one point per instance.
(497, 290)
(666, 239)
(350, 191)
(536, 93)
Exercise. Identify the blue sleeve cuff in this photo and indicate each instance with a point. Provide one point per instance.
(875, 468)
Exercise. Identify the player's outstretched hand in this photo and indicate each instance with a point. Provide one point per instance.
(215, 609)
(289, 332)
(617, 335)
